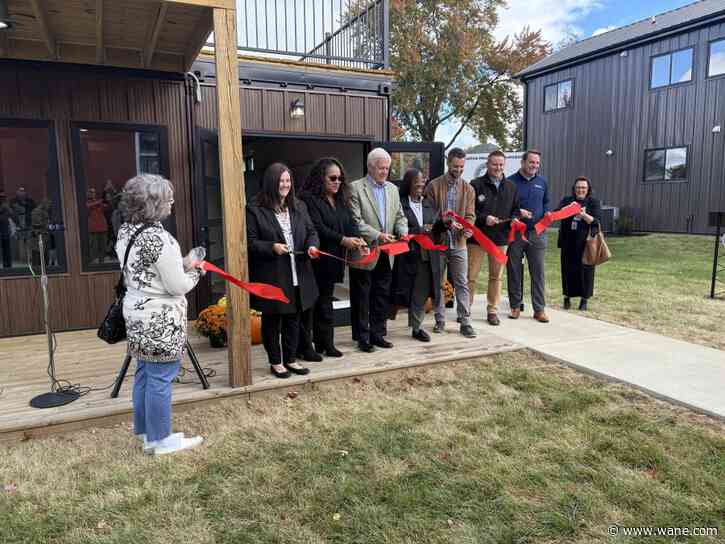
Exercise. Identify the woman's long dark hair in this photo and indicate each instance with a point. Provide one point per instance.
(315, 184)
(589, 186)
(408, 178)
(268, 196)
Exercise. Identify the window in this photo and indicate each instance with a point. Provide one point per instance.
(30, 200)
(716, 64)
(671, 69)
(106, 156)
(666, 164)
(558, 96)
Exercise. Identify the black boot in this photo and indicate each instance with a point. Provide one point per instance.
(583, 304)
(567, 303)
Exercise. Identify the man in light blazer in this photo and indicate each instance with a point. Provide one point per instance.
(375, 205)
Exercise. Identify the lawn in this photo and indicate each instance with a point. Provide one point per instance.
(505, 449)
(658, 283)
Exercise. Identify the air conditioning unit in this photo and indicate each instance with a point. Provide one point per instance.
(609, 214)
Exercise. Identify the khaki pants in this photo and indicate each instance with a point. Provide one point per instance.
(476, 255)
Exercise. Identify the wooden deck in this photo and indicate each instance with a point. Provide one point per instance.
(81, 358)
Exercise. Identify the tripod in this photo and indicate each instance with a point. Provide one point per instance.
(127, 362)
(58, 396)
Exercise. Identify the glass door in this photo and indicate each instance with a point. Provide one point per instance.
(425, 156)
(209, 231)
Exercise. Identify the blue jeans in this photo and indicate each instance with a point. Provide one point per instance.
(152, 398)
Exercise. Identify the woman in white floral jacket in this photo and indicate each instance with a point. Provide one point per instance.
(157, 280)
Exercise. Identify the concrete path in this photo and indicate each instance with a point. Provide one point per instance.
(670, 369)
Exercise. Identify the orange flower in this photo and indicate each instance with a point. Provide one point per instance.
(212, 320)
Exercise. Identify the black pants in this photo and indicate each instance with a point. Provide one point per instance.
(284, 327)
(323, 329)
(577, 279)
(6, 251)
(370, 300)
(304, 341)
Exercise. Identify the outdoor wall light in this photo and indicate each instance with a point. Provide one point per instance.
(5, 22)
(297, 108)
(716, 129)
(609, 153)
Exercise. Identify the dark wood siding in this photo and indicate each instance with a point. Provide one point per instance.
(79, 299)
(326, 114)
(615, 109)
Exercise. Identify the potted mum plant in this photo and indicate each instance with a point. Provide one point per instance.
(212, 323)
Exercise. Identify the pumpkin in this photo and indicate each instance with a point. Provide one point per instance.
(255, 325)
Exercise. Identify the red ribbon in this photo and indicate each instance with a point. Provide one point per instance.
(395, 248)
(483, 240)
(549, 217)
(262, 290)
(425, 242)
(366, 259)
(517, 226)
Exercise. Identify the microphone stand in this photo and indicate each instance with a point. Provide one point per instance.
(57, 395)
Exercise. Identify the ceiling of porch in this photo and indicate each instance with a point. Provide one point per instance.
(164, 35)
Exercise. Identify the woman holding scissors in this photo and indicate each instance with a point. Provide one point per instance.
(328, 202)
(281, 240)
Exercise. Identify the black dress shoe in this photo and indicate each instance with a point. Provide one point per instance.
(567, 303)
(583, 305)
(421, 335)
(381, 342)
(310, 355)
(367, 347)
(278, 374)
(301, 370)
(333, 352)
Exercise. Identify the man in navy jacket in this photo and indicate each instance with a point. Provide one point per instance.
(533, 194)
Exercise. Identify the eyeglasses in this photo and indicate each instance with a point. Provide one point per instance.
(336, 178)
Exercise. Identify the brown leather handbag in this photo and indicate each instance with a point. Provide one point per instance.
(596, 251)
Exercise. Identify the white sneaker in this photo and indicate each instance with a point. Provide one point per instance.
(172, 444)
(148, 447)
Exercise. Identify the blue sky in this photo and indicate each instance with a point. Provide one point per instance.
(558, 18)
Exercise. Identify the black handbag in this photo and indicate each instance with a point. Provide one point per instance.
(113, 326)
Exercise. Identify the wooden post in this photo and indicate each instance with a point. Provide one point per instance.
(233, 198)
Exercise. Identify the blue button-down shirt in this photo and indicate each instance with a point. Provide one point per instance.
(533, 196)
(379, 193)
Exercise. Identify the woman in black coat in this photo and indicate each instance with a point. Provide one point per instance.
(577, 279)
(417, 273)
(328, 202)
(281, 239)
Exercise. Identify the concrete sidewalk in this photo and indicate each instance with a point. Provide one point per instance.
(672, 370)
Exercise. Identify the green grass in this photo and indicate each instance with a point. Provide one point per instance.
(507, 449)
(657, 283)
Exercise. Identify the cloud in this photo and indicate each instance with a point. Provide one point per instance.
(599, 31)
(557, 19)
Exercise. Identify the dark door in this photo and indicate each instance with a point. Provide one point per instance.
(427, 157)
(209, 226)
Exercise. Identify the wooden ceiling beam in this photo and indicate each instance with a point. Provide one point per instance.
(100, 46)
(155, 32)
(204, 28)
(47, 35)
(225, 4)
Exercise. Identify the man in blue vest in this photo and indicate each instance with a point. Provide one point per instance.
(533, 193)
